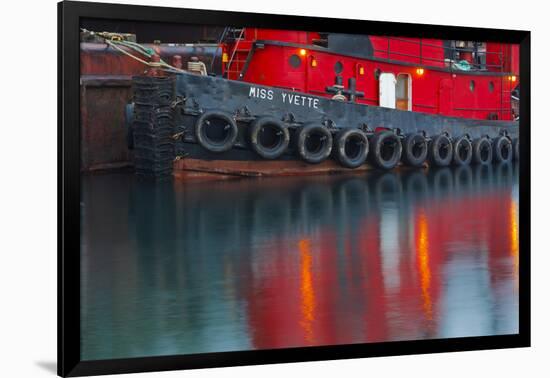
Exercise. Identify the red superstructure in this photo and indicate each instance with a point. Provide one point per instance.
(465, 79)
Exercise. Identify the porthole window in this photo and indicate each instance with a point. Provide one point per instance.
(472, 85)
(294, 61)
(338, 67)
(491, 87)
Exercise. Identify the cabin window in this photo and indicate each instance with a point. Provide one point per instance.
(403, 92)
(294, 61)
(472, 85)
(491, 87)
(338, 67)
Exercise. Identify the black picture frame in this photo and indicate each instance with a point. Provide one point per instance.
(69, 363)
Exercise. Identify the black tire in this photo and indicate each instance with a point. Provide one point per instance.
(503, 151)
(314, 143)
(516, 148)
(385, 150)
(351, 147)
(462, 151)
(415, 150)
(269, 137)
(482, 152)
(440, 150)
(216, 131)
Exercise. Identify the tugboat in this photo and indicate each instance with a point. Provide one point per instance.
(292, 103)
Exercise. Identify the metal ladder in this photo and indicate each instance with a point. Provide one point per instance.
(238, 39)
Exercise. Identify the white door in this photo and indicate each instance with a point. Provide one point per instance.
(387, 90)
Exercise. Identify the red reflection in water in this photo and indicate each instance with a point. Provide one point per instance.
(375, 313)
(259, 264)
(325, 291)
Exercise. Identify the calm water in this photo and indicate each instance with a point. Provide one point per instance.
(173, 268)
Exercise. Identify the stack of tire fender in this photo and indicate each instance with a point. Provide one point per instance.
(351, 147)
(153, 125)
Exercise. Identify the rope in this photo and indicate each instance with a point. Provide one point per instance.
(127, 53)
(116, 40)
(150, 64)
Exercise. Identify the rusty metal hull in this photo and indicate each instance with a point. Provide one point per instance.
(106, 88)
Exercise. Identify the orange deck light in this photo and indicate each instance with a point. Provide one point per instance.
(420, 71)
(303, 52)
(513, 78)
(361, 70)
(313, 62)
(225, 57)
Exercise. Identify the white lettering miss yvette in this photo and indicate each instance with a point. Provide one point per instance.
(287, 98)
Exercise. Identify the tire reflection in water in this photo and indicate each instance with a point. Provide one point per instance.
(173, 268)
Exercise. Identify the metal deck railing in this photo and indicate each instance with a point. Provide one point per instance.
(450, 54)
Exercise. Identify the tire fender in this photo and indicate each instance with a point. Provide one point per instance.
(351, 135)
(381, 140)
(415, 150)
(503, 151)
(282, 137)
(482, 152)
(462, 150)
(325, 143)
(440, 150)
(230, 128)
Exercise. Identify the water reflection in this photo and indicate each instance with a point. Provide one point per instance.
(173, 268)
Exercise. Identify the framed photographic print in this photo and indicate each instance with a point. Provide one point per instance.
(243, 188)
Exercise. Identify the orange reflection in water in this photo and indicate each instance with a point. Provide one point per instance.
(306, 289)
(514, 238)
(423, 262)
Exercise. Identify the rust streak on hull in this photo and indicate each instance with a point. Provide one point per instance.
(197, 168)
